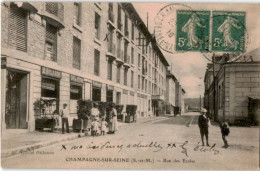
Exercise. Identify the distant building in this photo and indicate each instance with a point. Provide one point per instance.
(170, 92)
(237, 79)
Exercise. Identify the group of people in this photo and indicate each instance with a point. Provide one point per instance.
(98, 126)
(106, 124)
(204, 123)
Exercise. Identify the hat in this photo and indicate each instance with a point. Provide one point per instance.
(203, 110)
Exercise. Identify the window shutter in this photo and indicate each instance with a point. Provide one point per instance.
(17, 29)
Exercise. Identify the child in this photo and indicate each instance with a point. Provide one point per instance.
(225, 131)
(103, 126)
(95, 127)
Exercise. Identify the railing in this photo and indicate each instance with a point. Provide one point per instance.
(55, 8)
(111, 16)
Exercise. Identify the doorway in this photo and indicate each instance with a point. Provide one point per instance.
(16, 100)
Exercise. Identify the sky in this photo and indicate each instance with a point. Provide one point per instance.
(190, 67)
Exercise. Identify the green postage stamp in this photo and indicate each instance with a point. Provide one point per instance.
(228, 31)
(192, 30)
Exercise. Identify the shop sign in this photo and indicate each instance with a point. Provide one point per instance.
(125, 91)
(97, 84)
(51, 72)
(76, 79)
(110, 88)
(3, 62)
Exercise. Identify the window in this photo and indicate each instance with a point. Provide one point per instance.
(77, 13)
(139, 81)
(109, 96)
(97, 26)
(132, 79)
(75, 92)
(17, 29)
(109, 70)
(96, 62)
(132, 55)
(126, 26)
(133, 31)
(118, 74)
(76, 52)
(119, 21)
(96, 94)
(50, 91)
(110, 12)
(139, 60)
(142, 83)
(125, 77)
(51, 43)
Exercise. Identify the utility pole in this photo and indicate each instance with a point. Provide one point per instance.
(214, 89)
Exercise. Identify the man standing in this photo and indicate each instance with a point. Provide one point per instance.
(204, 126)
(64, 115)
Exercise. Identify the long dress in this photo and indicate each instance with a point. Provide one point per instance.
(113, 121)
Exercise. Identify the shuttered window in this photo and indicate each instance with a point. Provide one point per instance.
(76, 52)
(51, 43)
(52, 7)
(96, 62)
(17, 29)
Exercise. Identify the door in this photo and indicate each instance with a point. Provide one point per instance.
(16, 100)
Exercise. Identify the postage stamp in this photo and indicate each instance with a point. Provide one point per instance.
(228, 31)
(192, 30)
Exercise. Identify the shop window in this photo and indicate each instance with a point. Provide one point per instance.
(50, 96)
(96, 94)
(51, 43)
(118, 98)
(97, 26)
(96, 62)
(77, 13)
(76, 52)
(17, 29)
(109, 96)
(75, 95)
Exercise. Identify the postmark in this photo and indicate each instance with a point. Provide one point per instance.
(192, 31)
(165, 26)
(228, 31)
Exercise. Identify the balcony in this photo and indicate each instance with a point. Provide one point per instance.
(53, 13)
(111, 19)
(111, 51)
(29, 6)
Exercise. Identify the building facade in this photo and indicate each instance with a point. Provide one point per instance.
(61, 52)
(170, 89)
(236, 79)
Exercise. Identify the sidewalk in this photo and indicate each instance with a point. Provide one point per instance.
(17, 141)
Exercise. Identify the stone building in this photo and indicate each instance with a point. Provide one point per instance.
(64, 51)
(237, 77)
(170, 92)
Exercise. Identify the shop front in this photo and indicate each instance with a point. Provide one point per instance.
(96, 91)
(76, 89)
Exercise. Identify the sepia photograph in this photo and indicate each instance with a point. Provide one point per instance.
(130, 85)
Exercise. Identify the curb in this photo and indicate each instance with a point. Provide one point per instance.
(30, 148)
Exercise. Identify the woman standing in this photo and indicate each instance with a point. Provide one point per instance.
(112, 119)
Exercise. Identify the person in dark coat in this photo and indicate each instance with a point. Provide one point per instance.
(224, 131)
(203, 123)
